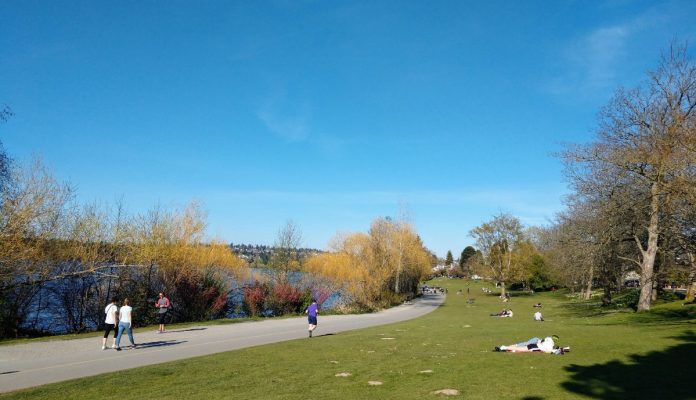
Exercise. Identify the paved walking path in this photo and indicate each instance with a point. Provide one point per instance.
(39, 363)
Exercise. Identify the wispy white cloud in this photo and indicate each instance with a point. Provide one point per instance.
(292, 121)
(591, 63)
(604, 57)
(286, 119)
(599, 55)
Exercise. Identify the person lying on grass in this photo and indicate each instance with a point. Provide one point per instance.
(506, 313)
(545, 345)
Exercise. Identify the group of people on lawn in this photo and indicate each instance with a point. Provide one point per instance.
(121, 320)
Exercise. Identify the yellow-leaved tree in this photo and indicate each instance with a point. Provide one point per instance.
(172, 255)
(376, 268)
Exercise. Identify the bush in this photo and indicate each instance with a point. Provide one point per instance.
(254, 299)
(671, 296)
(630, 298)
(285, 299)
(200, 296)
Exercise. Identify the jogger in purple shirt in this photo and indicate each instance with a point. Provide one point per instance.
(312, 312)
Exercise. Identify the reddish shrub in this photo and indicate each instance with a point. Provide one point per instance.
(254, 297)
(285, 299)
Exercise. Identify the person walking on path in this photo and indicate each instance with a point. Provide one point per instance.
(312, 311)
(163, 304)
(125, 323)
(110, 322)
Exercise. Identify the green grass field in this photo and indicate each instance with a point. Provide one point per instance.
(615, 355)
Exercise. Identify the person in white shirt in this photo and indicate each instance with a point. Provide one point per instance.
(545, 345)
(110, 322)
(537, 316)
(125, 323)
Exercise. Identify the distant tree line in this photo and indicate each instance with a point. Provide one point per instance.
(259, 256)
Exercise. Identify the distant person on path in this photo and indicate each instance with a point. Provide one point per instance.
(111, 312)
(312, 311)
(125, 323)
(163, 304)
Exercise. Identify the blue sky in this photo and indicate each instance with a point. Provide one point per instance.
(328, 113)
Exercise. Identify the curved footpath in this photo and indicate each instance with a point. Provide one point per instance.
(39, 363)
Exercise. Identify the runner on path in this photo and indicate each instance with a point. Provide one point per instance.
(312, 312)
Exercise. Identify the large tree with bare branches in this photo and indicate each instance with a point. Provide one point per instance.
(645, 142)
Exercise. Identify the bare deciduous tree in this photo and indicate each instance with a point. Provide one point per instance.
(644, 142)
(286, 256)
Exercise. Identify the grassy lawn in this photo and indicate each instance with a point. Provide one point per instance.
(615, 355)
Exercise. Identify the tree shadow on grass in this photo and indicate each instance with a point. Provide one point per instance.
(662, 316)
(656, 316)
(662, 375)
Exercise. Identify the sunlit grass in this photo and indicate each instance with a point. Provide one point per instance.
(612, 357)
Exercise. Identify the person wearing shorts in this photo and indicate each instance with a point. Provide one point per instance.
(312, 311)
(110, 322)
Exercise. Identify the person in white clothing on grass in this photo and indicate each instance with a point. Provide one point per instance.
(125, 323)
(111, 312)
(545, 345)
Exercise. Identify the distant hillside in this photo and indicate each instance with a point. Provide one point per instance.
(260, 253)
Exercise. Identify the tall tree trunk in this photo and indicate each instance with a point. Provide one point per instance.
(691, 290)
(587, 293)
(648, 262)
(606, 297)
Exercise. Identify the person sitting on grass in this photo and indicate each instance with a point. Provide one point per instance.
(546, 345)
(537, 305)
(537, 316)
